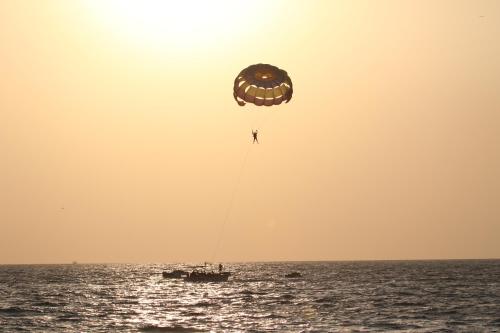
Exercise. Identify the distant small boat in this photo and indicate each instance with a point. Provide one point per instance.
(176, 274)
(293, 275)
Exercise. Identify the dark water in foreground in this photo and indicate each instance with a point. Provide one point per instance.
(397, 296)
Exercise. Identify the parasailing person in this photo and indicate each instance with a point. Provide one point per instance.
(254, 134)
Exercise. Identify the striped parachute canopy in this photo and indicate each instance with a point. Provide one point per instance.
(262, 84)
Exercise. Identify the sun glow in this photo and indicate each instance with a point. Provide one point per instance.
(186, 23)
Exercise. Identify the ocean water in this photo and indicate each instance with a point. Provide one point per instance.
(380, 296)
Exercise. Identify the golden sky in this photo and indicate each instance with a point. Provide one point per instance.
(120, 140)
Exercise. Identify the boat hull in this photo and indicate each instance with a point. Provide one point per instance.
(207, 277)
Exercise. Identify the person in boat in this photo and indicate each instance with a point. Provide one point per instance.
(254, 134)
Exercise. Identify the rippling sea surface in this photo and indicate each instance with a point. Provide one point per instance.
(397, 296)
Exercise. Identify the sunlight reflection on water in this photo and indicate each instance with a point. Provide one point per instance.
(413, 296)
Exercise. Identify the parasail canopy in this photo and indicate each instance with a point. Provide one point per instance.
(262, 84)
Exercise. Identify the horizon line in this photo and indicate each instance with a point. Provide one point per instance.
(242, 262)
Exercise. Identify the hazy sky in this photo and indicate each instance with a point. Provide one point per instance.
(120, 140)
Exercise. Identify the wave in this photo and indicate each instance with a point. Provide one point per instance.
(392, 326)
(13, 309)
(153, 328)
(268, 316)
(17, 311)
(193, 313)
(204, 303)
(324, 300)
(48, 304)
(253, 280)
(409, 304)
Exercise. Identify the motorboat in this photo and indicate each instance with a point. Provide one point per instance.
(293, 275)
